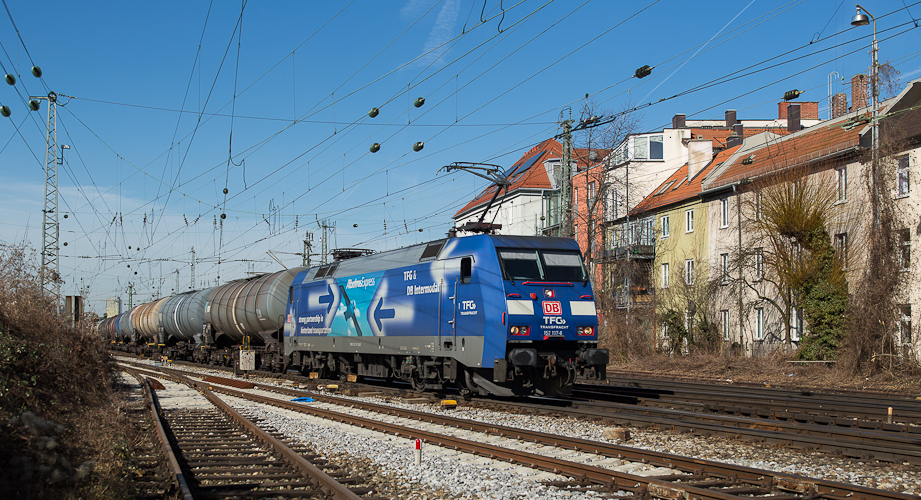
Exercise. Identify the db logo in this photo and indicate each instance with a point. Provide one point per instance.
(553, 308)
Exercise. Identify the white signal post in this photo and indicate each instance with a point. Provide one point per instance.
(418, 452)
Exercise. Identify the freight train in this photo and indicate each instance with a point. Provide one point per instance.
(485, 314)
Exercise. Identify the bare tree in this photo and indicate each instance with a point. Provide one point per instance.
(597, 133)
(789, 260)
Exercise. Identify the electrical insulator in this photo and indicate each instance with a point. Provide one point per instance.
(419, 102)
(643, 71)
(36, 71)
(10, 79)
(34, 105)
(5, 111)
(374, 112)
(791, 94)
(375, 147)
(418, 146)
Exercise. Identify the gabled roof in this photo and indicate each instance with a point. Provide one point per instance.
(527, 173)
(762, 155)
(678, 188)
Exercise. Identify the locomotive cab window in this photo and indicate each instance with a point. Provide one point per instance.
(466, 269)
(563, 266)
(543, 265)
(521, 265)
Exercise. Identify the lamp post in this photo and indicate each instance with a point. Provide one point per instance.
(861, 19)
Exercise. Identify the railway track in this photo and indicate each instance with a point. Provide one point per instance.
(215, 452)
(677, 477)
(847, 409)
(884, 442)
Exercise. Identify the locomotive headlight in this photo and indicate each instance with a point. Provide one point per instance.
(585, 331)
(519, 330)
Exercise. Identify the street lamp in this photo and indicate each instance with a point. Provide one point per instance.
(861, 19)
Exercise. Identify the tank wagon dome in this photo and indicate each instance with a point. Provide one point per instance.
(251, 306)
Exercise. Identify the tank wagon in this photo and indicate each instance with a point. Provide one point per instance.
(506, 315)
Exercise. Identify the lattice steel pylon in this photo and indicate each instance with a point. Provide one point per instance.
(51, 266)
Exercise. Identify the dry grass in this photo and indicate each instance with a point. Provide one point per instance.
(63, 429)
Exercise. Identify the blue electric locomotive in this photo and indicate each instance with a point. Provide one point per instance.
(505, 315)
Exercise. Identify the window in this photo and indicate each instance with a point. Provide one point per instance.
(724, 267)
(757, 203)
(640, 148)
(591, 193)
(556, 265)
(664, 226)
(759, 323)
(689, 271)
(841, 177)
(905, 324)
(724, 212)
(759, 264)
(665, 275)
(575, 201)
(904, 249)
(655, 147)
(841, 247)
(689, 221)
(466, 269)
(615, 201)
(724, 323)
(904, 185)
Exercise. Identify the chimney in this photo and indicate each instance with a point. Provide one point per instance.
(782, 110)
(730, 118)
(838, 105)
(793, 118)
(809, 110)
(678, 120)
(735, 138)
(700, 153)
(858, 92)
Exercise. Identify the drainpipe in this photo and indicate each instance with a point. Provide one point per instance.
(739, 224)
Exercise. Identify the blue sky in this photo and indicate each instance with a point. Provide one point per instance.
(166, 104)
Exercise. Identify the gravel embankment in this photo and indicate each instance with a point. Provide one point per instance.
(451, 475)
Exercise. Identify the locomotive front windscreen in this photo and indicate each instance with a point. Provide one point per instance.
(542, 265)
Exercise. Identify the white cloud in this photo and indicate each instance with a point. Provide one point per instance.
(442, 31)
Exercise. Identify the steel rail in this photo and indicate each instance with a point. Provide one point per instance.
(813, 402)
(329, 485)
(759, 479)
(154, 404)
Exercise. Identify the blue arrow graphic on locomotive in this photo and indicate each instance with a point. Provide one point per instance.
(380, 314)
(328, 299)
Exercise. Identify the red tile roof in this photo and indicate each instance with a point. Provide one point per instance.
(534, 177)
(688, 188)
(806, 146)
